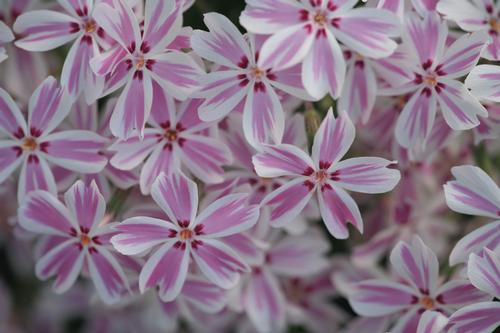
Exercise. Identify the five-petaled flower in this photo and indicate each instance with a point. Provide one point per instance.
(82, 242)
(324, 174)
(187, 235)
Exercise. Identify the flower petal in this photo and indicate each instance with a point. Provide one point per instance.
(86, 204)
(223, 44)
(432, 322)
(281, 160)
(45, 30)
(139, 234)
(76, 150)
(323, 70)
(12, 120)
(415, 122)
(288, 201)
(473, 192)
(204, 157)
(366, 175)
(218, 262)
(204, 295)
(468, 16)
(263, 117)
(416, 264)
(264, 302)
(487, 236)
(484, 82)
(65, 262)
(177, 73)
(107, 274)
(476, 318)
(484, 272)
(376, 298)
(368, 31)
(119, 22)
(35, 175)
(161, 160)
(460, 292)
(48, 106)
(333, 139)
(167, 268)
(131, 152)
(133, 106)
(162, 23)
(267, 16)
(9, 158)
(228, 215)
(338, 209)
(177, 196)
(459, 107)
(42, 212)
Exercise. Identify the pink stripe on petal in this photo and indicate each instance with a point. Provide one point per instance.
(218, 263)
(264, 302)
(245, 247)
(86, 204)
(11, 119)
(177, 196)
(480, 317)
(223, 44)
(228, 215)
(138, 234)
(266, 16)
(42, 212)
(65, 262)
(332, 140)
(416, 264)
(432, 322)
(338, 209)
(35, 175)
(105, 63)
(49, 105)
(205, 157)
(76, 150)
(379, 297)
(9, 158)
(366, 175)
(486, 236)
(288, 201)
(44, 30)
(282, 160)
(162, 159)
(460, 292)
(484, 82)
(131, 152)
(204, 295)
(484, 272)
(166, 268)
(107, 275)
(162, 23)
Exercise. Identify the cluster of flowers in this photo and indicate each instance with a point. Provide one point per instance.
(189, 200)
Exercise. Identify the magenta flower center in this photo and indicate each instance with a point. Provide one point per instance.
(29, 144)
(85, 240)
(171, 135)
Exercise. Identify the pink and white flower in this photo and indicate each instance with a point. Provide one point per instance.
(307, 32)
(44, 30)
(141, 59)
(32, 145)
(83, 241)
(186, 236)
(6, 36)
(476, 318)
(177, 138)
(324, 174)
(416, 292)
(435, 69)
(474, 193)
(243, 80)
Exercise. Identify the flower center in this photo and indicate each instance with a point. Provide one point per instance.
(320, 176)
(494, 25)
(257, 73)
(320, 19)
(185, 234)
(29, 144)
(90, 26)
(427, 302)
(431, 81)
(140, 62)
(171, 135)
(85, 240)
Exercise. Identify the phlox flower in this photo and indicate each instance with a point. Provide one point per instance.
(32, 144)
(177, 138)
(473, 16)
(433, 70)
(6, 36)
(307, 31)
(416, 294)
(84, 242)
(187, 236)
(243, 79)
(44, 30)
(325, 175)
(141, 60)
(480, 317)
(473, 192)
